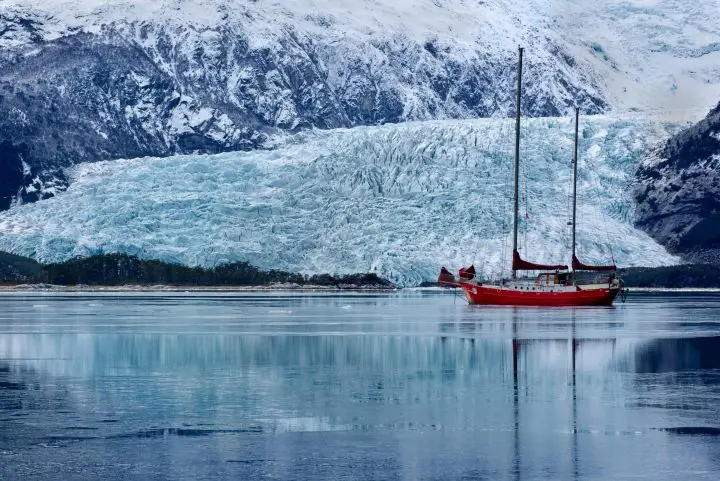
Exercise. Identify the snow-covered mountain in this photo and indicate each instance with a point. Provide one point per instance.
(678, 191)
(87, 80)
(398, 200)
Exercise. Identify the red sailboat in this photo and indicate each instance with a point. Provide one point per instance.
(560, 287)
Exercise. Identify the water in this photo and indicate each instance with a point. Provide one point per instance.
(391, 386)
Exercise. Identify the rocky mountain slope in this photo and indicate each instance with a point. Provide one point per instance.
(678, 191)
(86, 80)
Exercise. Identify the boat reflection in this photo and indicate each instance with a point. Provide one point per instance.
(575, 344)
(461, 396)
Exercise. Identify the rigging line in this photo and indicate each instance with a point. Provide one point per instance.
(477, 237)
(477, 248)
(607, 232)
(568, 216)
(568, 212)
(603, 217)
(507, 194)
(525, 198)
(502, 179)
(581, 202)
(510, 188)
(607, 236)
(503, 195)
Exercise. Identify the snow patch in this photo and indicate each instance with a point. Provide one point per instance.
(659, 55)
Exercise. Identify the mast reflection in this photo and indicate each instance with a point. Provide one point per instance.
(516, 407)
(520, 347)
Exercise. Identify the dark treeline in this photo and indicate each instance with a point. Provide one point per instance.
(121, 269)
(17, 269)
(688, 275)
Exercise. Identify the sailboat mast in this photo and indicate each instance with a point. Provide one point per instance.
(517, 154)
(575, 167)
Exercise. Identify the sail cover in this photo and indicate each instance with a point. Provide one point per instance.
(445, 276)
(579, 266)
(519, 264)
(467, 273)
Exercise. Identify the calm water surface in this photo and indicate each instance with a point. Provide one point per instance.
(392, 386)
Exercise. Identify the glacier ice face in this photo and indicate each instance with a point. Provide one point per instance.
(398, 200)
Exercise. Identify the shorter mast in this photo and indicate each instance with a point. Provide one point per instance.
(575, 167)
(576, 264)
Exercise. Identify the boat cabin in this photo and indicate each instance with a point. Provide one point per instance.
(547, 279)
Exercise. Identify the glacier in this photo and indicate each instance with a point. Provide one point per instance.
(398, 200)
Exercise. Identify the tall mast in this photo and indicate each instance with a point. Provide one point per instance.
(575, 166)
(517, 153)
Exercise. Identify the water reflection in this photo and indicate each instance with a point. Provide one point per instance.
(375, 388)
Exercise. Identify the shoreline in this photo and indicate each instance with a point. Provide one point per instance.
(630, 289)
(274, 288)
(673, 289)
(172, 288)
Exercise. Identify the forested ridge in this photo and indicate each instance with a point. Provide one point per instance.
(121, 269)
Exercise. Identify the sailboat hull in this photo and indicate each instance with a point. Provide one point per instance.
(499, 296)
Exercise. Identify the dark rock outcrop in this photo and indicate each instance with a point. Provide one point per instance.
(678, 192)
(673, 277)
